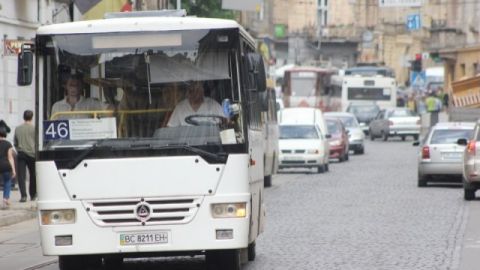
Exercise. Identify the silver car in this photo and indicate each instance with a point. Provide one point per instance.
(471, 163)
(356, 136)
(400, 122)
(440, 156)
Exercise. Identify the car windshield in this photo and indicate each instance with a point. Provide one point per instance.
(348, 121)
(333, 127)
(401, 113)
(450, 136)
(366, 109)
(298, 132)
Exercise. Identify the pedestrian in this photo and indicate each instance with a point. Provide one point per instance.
(127, 7)
(4, 125)
(7, 166)
(24, 141)
(434, 105)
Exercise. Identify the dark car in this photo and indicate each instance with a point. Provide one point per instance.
(365, 113)
(339, 141)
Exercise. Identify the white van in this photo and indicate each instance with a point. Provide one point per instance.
(303, 139)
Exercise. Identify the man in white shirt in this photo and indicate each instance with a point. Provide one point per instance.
(75, 101)
(195, 104)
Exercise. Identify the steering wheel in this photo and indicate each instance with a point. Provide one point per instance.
(208, 119)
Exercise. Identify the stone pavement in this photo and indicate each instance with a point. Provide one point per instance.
(17, 211)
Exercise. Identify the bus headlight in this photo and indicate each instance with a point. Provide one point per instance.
(229, 210)
(60, 216)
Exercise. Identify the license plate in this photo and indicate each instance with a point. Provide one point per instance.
(143, 238)
(452, 156)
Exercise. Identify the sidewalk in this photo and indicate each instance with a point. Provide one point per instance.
(17, 212)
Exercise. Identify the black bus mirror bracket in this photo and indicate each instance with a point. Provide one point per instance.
(25, 65)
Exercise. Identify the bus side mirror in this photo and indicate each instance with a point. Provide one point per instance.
(462, 141)
(256, 70)
(25, 65)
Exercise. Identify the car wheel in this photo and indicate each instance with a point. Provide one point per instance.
(361, 151)
(267, 181)
(469, 194)
(371, 136)
(415, 137)
(422, 181)
(347, 157)
(321, 169)
(326, 167)
(403, 138)
(384, 136)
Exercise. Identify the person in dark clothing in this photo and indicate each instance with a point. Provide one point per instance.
(24, 141)
(7, 165)
(4, 125)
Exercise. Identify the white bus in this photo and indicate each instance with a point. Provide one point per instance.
(119, 183)
(356, 88)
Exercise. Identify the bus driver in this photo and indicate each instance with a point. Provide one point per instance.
(195, 104)
(75, 101)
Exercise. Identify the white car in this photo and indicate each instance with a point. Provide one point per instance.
(392, 122)
(303, 146)
(440, 156)
(356, 136)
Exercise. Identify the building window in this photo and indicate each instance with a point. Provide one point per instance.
(462, 70)
(475, 69)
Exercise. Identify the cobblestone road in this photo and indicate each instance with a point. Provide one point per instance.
(364, 214)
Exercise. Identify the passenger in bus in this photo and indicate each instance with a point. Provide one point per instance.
(75, 101)
(195, 103)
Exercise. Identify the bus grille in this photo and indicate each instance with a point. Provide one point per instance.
(124, 212)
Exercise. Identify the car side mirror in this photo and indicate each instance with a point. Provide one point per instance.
(462, 141)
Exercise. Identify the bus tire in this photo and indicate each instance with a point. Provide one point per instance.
(252, 252)
(321, 168)
(267, 181)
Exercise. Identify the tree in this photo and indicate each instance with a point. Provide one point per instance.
(206, 8)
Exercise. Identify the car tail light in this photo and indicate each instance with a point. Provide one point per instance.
(426, 152)
(471, 147)
(390, 123)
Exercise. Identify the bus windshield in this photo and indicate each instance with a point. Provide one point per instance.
(160, 89)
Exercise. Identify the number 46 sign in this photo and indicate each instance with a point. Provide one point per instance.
(56, 130)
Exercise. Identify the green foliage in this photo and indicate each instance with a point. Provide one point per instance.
(206, 8)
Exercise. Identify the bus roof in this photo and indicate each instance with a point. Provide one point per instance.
(135, 24)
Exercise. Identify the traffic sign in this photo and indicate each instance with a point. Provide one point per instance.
(414, 22)
(418, 80)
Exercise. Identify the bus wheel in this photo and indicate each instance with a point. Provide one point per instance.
(223, 259)
(321, 168)
(252, 253)
(267, 181)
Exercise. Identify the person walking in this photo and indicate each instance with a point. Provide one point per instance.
(24, 141)
(7, 166)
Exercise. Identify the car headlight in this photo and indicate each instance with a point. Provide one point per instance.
(335, 142)
(312, 151)
(229, 210)
(60, 216)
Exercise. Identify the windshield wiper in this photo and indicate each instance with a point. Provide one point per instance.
(97, 145)
(203, 153)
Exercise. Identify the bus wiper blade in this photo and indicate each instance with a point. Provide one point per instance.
(97, 145)
(217, 157)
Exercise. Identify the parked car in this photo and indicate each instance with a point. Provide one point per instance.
(356, 137)
(365, 112)
(440, 157)
(471, 163)
(303, 139)
(339, 140)
(400, 122)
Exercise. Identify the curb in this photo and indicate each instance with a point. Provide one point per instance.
(10, 217)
